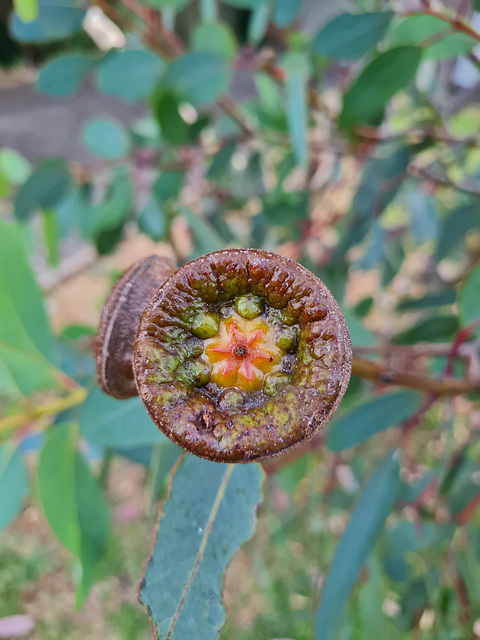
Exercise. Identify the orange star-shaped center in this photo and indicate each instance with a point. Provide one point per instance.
(242, 353)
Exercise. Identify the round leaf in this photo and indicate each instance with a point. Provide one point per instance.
(105, 139)
(199, 78)
(62, 77)
(216, 38)
(130, 75)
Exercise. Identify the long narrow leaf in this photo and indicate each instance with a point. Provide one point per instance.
(356, 543)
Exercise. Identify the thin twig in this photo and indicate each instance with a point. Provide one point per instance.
(378, 373)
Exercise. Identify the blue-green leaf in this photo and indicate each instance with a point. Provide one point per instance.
(371, 417)
(469, 299)
(13, 483)
(62, 77)
(130, 75)
(116, 423)
(206, 237)
(297, 113)
(199, 78)
(356, 543)
(44, 189)
(55, 19)
(210, 512)
(454, 227)
(106, 139)
(350, 36)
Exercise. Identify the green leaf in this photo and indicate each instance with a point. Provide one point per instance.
(259, 21)
(436, 329)
(105, 139)
(365, 100)
(168, 185)
(14, 167)
(297, 114)
(72, 501)
(63, 76)
(44, 189)
(454, 227)
(130, 75)
(26, 10)
(382, 178)
(423, 217)
(175, 130)
(350, 36)
(116, 423)
(419, 29)
(210, 512)
(56, 19)
(199, 78)
(13, 483)
(26, 344)
(151, 220)
(206, 237)
(51, 237)
(111, 213)
(356, 543)
(359, 336)
(469, 299)
(436, 299)
(216, 38)
(368, 418)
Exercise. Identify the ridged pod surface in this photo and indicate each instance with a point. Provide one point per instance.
(119, 321)
(241, 355)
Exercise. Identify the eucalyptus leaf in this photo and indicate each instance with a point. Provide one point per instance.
(365, 100)
(63, 76)
(13, 483)
(130, 75)
(209, 513)
(117, 423)
(371, 417)
(349, 36)
(199, 78)
(73, 502)
(356, 543)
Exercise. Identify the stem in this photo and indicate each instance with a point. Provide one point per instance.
(50, 408)
(377, 373)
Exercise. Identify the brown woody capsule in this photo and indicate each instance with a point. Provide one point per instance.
(119, 323)
(257, 394)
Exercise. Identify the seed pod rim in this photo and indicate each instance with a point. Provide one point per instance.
(343, 346)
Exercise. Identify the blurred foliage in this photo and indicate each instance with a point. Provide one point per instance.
(353, 149)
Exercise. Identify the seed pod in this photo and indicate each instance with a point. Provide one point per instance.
(241, 355)
(119, 323)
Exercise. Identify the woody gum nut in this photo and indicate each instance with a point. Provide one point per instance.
(275, 361)
(119, 322)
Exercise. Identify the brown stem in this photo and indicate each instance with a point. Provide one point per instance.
(377, 373)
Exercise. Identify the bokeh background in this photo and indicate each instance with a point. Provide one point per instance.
(344, 135)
